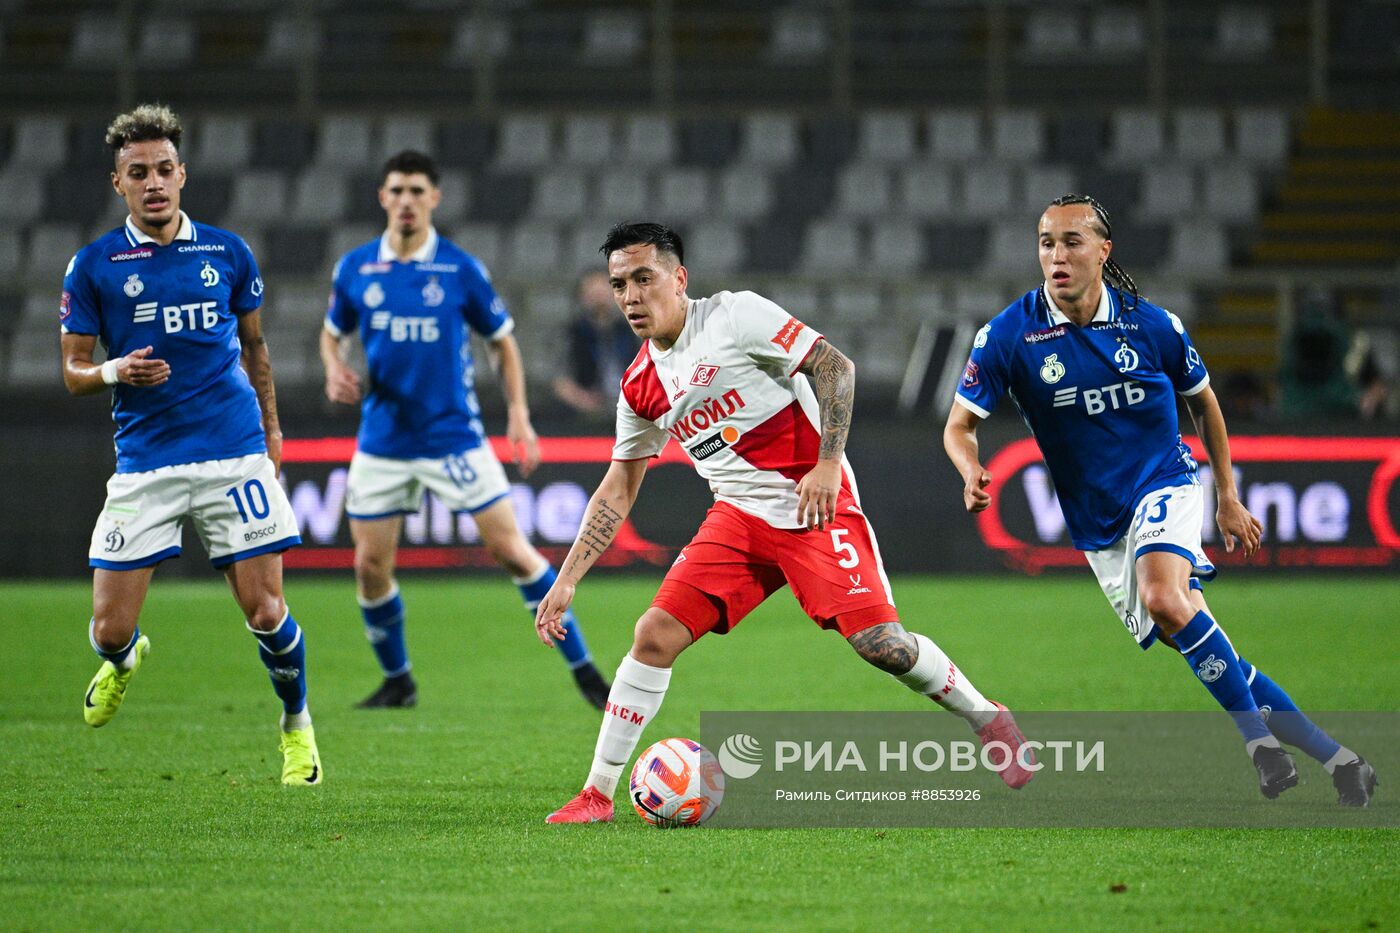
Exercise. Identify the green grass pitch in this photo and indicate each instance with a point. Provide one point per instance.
(171, 816)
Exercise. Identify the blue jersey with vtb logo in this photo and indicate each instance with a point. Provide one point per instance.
(1100, 400)
(413, 317)
(183, 300)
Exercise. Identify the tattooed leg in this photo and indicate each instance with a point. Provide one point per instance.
(889, 647)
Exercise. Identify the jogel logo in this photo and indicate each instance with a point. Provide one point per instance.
(1210, 669)
(209, 275)
(134, 286)
(1053, 370)
(740, 756)
(1126, 358)
(115, 540)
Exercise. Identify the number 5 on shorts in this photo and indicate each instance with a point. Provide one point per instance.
(851, 558)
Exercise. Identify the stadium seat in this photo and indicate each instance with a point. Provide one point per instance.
(716, 247)
(745, 193)
(708, 141)
(299, 250)
(683, 194)
(1262, 136)
(989, 191)
(290, 39)
(532, 248)
(1018, 135)
(1231, 193)
(613, 37)
(35, 359)
(24, 196)
(579, 247)
(1077, 139)
(1011, 251)
(831, 139)
(481, 240)
(51, 245)
(588, 140)
(220, 141)
(259, 197)
(83, 199)
(648, 139)
(166, 42)
(802, 191)
(1199, 134)
(284, 144)
(831, 247)
(11, 255)
(1198, 248)
(1053, 32)
(501, 196)
(620, 193)
(40, 143)
(1041, 184)
(775, 245)
(978, 301)
(559, 195)
(800, 299)
(319, 196)
(863, 190)
(343, 141)
(854, 305)
(1168, 191)
(98, 41)
(955, 246)
(399, 133)
(955, 136)
(768, 139)
(798, 33)
(887, 137)
(466, 143)
(925, 191)
(345, 237)
(456, 197)
(1117, 32)
(1138, 137)
(548, 308)
(1243, 32)
(525, 142)
(39, 310)
(884, 352)
(478, 36)
(293, 308)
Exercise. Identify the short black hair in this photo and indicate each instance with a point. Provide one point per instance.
(144, 123)
(628, 234)
(411, 162)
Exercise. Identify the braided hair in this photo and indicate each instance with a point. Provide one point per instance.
(1114, 273)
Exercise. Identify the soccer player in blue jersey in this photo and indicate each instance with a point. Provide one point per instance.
(1095, 371)
(175, 305)
(412, 297)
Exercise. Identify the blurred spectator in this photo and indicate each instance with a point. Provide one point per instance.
(601, 347)
(1373, 364)
(1245, 397)
(1314, 378)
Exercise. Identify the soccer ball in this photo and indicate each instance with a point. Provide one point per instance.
(676, 782)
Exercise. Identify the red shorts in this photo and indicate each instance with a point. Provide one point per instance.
(736, 561)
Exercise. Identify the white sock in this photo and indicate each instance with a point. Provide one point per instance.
(636, 695)
(937, 678)
(291, 722)
(1344, 756)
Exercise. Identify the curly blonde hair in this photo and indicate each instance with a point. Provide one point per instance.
(145, 122)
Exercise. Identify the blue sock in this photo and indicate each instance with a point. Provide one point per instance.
(1204, 646)
(118, 657)
(1284, 718)
(283, 651)
(532, 591)
(384, 629)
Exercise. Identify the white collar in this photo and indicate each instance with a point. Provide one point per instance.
(1057, 317)
(137, 237)
(425, 253)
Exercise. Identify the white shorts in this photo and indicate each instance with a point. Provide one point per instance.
(1165, 520)
(379, 487)
(237, 507)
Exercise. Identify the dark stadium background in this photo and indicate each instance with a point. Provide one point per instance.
(874, 167)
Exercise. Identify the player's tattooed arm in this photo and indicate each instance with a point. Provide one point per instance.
(258, 365)
(888, 646)
(833, 377)
(597, 533)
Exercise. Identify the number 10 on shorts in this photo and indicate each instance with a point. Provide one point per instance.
(850, 558)
(256, 498)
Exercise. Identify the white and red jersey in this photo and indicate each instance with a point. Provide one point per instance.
(728, 391)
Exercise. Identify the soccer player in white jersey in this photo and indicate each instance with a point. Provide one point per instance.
(412, 296)
(1095, 371)
(175, 305)
(727, 378)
